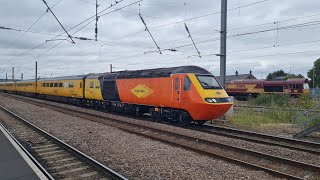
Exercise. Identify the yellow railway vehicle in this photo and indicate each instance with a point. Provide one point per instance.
(8, 87)
(92, 87)
(26, 87)
(70, 87)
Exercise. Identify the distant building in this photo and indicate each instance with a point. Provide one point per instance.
(237, 76)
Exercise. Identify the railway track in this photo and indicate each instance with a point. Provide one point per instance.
(293, 144)
(277, 166)
(263, 108)
(56, 159)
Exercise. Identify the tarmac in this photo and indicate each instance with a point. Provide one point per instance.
(14, 162)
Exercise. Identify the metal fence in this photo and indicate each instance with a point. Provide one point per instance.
(315, 93)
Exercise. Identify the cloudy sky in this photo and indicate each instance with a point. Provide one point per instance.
(263, 36)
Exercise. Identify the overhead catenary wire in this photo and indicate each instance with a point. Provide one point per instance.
(58, 21)
(25, 31)
(40, 45)
(150, 34)
(187, 29)
(238, 35)
(138, 31)
(76, 32)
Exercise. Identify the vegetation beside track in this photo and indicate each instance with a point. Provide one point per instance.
(277, 115)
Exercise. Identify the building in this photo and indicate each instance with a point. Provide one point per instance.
(237, 76)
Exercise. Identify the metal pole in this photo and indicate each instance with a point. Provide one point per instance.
(6, 77)
(12, 73)
(21, 76)
(110, 68)
(223, 42)
(313, 79)
(36, 73)
(96, 29)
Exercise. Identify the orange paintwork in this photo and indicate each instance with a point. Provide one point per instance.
(161, 92)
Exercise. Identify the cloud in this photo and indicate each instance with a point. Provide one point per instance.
(124, 43)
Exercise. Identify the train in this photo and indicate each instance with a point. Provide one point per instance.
(243, 89)
(185, 94)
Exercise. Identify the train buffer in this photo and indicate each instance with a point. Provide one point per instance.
(308, 121)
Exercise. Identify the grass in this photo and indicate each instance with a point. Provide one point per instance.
(282, 109)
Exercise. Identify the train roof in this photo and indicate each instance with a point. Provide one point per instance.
(263, 81)
(150, 73)
(24, 81)
(8, 82)
(76, 77)
(146, 73)
(161, 72)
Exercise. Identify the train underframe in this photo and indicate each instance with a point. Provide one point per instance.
(157, 113)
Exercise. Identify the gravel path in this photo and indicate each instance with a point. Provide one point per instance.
(134, 156)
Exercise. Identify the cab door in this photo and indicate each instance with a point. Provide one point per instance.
(186, 88)
(176, 90)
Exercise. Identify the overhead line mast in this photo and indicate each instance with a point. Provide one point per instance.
(96, 29)
(223, 43)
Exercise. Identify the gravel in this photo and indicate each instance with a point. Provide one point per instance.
(273, 150)
(137, 157)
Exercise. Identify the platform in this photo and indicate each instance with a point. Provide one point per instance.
(14, 162)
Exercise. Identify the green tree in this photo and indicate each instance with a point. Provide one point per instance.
(278, 73)
(314, 74)
(281, 73)
(295, 76)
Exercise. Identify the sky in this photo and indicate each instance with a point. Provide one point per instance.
(263, 36)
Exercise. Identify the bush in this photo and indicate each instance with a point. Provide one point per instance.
(270, 100)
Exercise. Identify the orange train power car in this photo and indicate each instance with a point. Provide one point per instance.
(184, 94)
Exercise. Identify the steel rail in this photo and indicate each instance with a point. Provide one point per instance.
(109, 173)
(290, 143)
(195, 144)
(293, 144)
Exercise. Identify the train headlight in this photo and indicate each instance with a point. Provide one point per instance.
(211, 100)
(218, 100)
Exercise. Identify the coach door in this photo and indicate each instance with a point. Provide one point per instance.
(176, 90)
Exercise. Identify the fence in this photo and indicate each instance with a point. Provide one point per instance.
(315, 93)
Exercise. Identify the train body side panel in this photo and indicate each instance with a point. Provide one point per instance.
(93, 89)
(69, 88)
(146, 91)
(26, 87)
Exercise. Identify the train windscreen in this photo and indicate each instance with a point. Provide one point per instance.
(208, 82)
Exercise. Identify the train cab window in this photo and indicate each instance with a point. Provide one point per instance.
(187, 83)
(60, 84)
(55, 85)
(208, 82)
(51, 84)
(71, 85)
(65, 85)
(91, 84)
(43, 84)
(176, 87)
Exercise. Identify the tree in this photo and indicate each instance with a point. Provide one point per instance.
(281, 73)
(278, 73)
(295, 76)
(314, 74)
